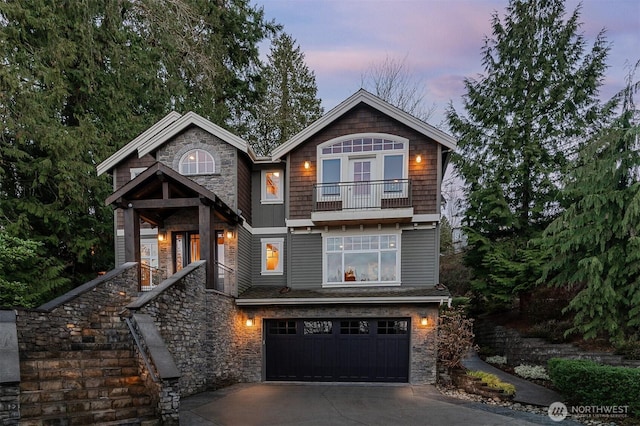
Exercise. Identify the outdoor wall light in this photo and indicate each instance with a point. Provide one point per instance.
(424, 321)
(161, 236)
(418, 158)
(250, 322)
(307, 165)
(229, 235)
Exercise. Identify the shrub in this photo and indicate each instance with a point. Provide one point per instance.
(493, 382)
(629, 349)
(587, 383)
(535, 372)
(455, 337)
(496, 360)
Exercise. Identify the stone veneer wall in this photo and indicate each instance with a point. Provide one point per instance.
(76, 356)
(423, 350)
(530, 350)
(9, 404)
(224, 180)
(199, 327)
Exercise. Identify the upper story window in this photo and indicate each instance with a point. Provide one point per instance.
(360, 158)
(197, 162)
(272, 187)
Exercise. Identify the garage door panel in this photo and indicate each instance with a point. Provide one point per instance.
(337, 350)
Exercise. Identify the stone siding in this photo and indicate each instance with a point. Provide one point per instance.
(77, 362)
(530, 350)
(223, 182)
(9, 404)
(423, 349)
(198, 326)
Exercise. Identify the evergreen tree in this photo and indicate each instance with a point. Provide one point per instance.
(81, 79)
(536, 99)
(594, 246)
(26, 277)
(291, 102)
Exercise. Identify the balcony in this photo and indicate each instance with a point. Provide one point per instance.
(376, 200)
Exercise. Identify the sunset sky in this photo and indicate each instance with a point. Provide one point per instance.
(441, 39)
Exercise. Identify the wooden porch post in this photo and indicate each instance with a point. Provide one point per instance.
(207, 248)
(132, 237)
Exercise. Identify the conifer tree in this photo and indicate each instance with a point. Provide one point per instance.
(291, 101)
(79, 79)
(594, 245)
(537, 97)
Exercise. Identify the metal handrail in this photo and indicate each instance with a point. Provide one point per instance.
(373, 194)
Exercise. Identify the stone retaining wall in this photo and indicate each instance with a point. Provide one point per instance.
(536, 351)
(198, 326)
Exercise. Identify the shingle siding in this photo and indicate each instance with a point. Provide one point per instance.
(364, 119)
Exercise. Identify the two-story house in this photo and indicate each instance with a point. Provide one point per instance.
(329, 246)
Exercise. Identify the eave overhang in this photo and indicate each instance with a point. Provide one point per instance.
(362, 96)
(345, 301)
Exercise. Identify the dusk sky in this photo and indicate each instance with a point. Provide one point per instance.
(441, 39)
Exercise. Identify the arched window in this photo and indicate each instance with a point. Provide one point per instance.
(197, 162)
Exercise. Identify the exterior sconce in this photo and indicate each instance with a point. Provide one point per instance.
(229, 235)
(161, 236)
(424, 321)
(307, 165)
(250, 322)
(418, 158)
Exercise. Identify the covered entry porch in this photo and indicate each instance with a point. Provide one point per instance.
(192, 224)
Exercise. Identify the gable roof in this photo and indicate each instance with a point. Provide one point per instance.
(165, 129)
(148, 185)
(132, 146)
(362, 96)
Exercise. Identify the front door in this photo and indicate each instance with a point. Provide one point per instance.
(362, 192)
(186, 249)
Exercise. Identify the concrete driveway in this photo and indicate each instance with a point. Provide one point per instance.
(342, 404)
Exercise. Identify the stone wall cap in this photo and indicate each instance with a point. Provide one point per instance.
(9, 355)
(148, 296)
(158, 351)
(70, 295)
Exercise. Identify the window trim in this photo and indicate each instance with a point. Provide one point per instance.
(343, 283)
(198, 172)
(135, 171)
(263, 256)
(378, 158)
(263, 188)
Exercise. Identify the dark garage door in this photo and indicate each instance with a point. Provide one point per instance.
(348, 350)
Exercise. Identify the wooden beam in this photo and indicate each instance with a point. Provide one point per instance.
(132, 238)
(207, 244)
(165, 204)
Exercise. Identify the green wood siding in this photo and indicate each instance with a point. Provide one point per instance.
(419, 261)
(306, 261)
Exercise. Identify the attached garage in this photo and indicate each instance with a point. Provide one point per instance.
(338, 350)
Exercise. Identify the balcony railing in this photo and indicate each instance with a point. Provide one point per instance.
(374, 194)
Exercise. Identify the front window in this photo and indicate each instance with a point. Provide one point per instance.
(272, 256)
(272, 187)
(361, 259)
(197, 162)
